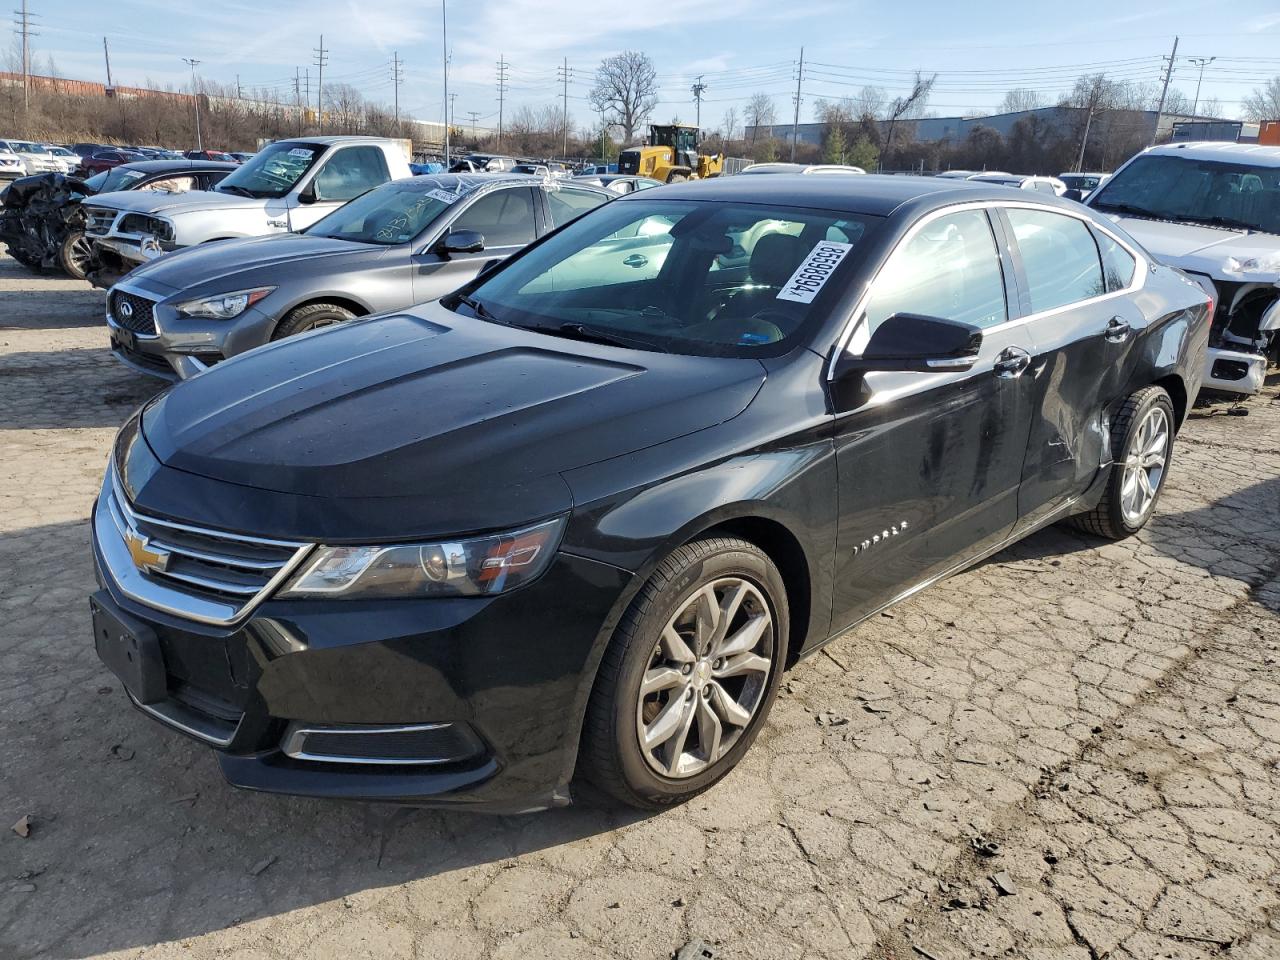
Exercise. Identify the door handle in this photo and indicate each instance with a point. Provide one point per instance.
(1012, 362)
(636, 260)
(1117, 330)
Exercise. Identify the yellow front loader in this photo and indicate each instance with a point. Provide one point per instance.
(671, 155)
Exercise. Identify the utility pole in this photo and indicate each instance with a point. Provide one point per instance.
(453, 103)
(473, 116)
(106, 54)
(322, 57)
(1164, 91)
(23, 23)
(795, 120)
(444, 45)
(397, 77)
(1088, 122)
(1200, 62)
(297, 95)
(195, 98)
(565, 73)
(503, 66)
(698, 89)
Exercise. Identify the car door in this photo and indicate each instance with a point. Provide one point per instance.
(929, 464)
(508, 218)
(1084, 327)
(345, 175)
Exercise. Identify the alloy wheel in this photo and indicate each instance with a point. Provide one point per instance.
(1144, 466)
(706, 678)
(80, 253)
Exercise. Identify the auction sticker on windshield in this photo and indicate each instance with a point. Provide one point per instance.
(444, 196)
(814, 271)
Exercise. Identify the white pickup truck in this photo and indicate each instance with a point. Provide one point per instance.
(286, 186)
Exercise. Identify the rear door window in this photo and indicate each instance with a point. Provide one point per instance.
(1059, 258)
(1118, 264)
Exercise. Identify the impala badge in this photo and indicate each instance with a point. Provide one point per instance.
(876, 539)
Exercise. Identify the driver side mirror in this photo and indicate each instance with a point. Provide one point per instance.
(914, 343)
(308, 195)
(460, 241)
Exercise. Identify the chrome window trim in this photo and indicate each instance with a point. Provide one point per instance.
(114, 509)
(293, 744)
(859, 308)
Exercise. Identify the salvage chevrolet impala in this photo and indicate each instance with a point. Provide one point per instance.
(575, 519)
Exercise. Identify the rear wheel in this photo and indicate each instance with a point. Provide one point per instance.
(75, 255)
(311, 316)
(677, 177)
(689, 676)
(1142, 449)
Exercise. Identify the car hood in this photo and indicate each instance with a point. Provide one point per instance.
(1200, 249)
(460, 423)
(212, 263)
(160, 202)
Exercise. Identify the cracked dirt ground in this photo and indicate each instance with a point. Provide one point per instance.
(1104, 719)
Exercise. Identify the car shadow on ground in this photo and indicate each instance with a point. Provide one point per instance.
(28, 310)
(93, 389)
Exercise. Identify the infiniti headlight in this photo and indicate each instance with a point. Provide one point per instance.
(224, 306)
(476, 566)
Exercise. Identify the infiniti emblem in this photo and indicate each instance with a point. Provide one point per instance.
(125, 309)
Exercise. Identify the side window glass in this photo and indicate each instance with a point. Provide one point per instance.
(567, 204)
(179, 184)
(505, 217)
(1059, 257)
(350, 172)
(1118, 265)
(949, 269)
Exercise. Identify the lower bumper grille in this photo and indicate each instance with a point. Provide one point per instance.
(421, 743)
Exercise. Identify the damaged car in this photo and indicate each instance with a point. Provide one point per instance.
(42, 221)
(403, 243)
(1213, 210)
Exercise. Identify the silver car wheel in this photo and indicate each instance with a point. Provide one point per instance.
(1144, 465)
(706, 678)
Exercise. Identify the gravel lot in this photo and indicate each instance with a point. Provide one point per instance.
(1096, 725)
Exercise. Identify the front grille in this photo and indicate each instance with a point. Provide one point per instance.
(213, 564)
(133, 312)
(98, 221)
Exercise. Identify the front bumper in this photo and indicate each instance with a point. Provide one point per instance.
(1233, 371)
(507, 676)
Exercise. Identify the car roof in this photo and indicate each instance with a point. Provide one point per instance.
(467, 182)
(176, 166)
(872, 194)
(1257, 154)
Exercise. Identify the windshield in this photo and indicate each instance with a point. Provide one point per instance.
(393, 213)
(1198, 191)
(715, 279)
(273, 171)
(30, 148)
(117, 178)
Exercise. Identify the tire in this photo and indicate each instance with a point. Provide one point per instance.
(1113, 517)
(710, 692)
(311, 316)
(75, 255)
(676, 178)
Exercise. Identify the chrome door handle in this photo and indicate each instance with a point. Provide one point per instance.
(636, 260)
(1117, 330)
(1012, 362)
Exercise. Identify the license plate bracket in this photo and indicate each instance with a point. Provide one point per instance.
(129, 648)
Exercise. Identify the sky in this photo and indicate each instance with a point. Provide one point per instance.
(979, 49)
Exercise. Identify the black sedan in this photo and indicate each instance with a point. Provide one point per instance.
(578, 517)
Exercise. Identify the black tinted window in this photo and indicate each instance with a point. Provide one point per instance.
(1059, 257)
(949, 269)
(1117, 263)
(565, 204)
(505, 217)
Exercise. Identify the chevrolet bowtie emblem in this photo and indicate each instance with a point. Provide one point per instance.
(145, 557)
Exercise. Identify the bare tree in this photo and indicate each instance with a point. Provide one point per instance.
(908, 107)
(625, 90)
(1264, 102)
(730, 124)
(761, 112)
(1211, 107)
(1019, 99)
(870, 102)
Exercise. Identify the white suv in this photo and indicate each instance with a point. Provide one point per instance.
(1212, 209)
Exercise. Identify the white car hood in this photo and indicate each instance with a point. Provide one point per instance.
(160, 202)
(1205, 250)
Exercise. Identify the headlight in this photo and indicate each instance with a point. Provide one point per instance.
(225, 305)
(1267, 263)
(460, 568)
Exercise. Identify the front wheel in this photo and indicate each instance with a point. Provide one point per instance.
(75, 255)
(689, 676)
(677, 178)
(311, 316)
(1142, 449)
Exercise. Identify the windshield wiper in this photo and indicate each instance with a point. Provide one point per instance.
(1217, 221)
(580, 331)
(232, 188)
(1132, 210)
(479, 309)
